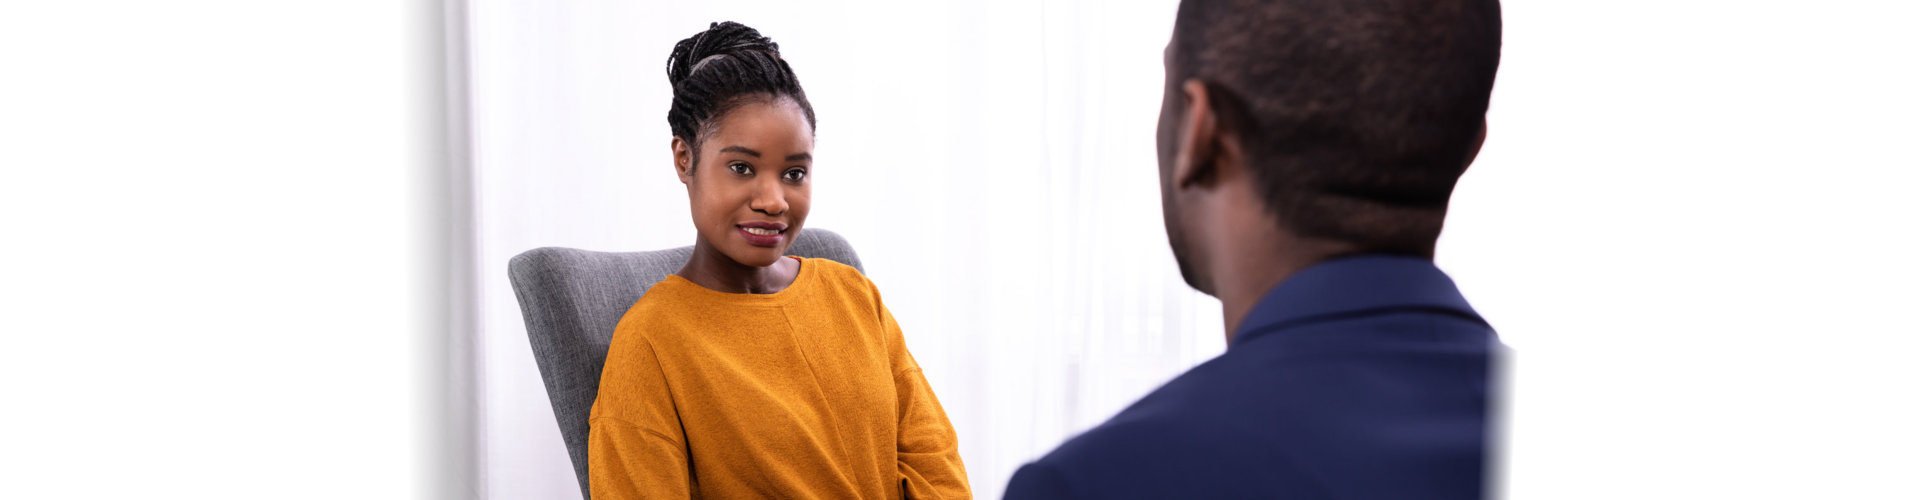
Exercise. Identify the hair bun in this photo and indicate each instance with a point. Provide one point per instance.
(715, 70)
(720, 39)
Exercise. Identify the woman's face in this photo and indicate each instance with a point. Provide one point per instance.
(750, 193)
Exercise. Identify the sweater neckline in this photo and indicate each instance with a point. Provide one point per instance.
(800, 280)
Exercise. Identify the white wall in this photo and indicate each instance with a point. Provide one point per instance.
(221, 229)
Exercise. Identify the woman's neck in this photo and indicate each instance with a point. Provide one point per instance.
(710, 268)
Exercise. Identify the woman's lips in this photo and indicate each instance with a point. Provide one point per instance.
(762, 234)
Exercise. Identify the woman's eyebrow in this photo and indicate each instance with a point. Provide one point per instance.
(756, 154)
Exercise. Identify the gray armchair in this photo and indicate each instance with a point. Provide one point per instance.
(572, 299)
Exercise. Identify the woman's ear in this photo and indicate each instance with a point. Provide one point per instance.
(683, 160)
(1197, 138)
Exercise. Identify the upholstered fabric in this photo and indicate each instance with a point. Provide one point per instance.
(572, 299)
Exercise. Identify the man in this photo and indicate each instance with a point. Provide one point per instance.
(1308, 149)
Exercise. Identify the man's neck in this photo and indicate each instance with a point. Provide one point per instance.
(1247, 272)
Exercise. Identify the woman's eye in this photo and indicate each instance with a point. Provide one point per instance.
(740, 168)
(796, 175)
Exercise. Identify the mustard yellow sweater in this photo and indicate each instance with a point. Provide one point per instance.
(805, 393)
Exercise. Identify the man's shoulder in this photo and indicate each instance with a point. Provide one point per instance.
(1158, 455)
(1142, 438)
(1181, 440)
(1307, 418)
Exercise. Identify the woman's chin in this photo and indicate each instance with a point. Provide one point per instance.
(756, 256)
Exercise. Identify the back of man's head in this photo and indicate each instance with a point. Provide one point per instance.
(1356, 116)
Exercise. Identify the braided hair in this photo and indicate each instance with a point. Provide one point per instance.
(717, 70)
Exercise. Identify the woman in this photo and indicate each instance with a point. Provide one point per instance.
(750, 374)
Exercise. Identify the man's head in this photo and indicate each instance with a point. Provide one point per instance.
(1349, 121)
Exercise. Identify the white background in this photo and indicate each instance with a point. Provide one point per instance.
(246, 253)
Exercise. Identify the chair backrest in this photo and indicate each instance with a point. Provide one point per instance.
(572, 299)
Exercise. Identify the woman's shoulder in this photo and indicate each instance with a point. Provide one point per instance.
(842, 284)
(663, 305)
(840, 277)
(834, 270)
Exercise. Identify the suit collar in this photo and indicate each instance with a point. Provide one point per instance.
(1351, 285)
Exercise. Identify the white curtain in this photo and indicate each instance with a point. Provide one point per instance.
(992, 163)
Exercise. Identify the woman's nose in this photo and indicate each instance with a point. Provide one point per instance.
(769, 198)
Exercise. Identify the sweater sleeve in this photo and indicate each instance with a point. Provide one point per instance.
(634, 447)
(929, 451)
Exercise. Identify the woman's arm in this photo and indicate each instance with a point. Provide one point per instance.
(929, 451)
(634, 447)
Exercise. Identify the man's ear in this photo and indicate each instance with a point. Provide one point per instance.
(1477, 142)
(683, 160)
(1198, 137)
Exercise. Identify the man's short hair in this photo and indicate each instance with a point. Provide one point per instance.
(1357, 116)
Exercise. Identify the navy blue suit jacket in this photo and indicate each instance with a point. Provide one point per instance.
(1360, 377)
